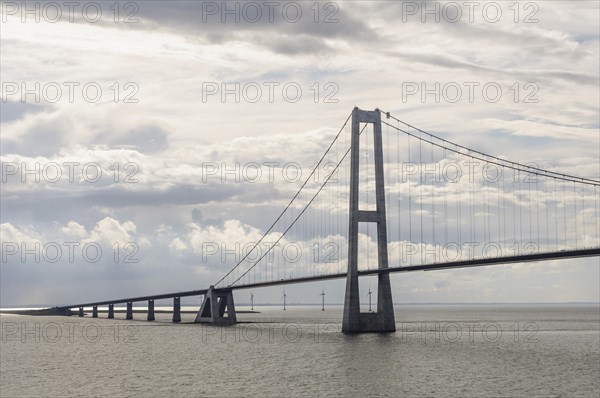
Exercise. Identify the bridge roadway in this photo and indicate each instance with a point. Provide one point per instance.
(408, 268)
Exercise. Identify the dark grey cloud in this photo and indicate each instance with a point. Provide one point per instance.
(43, 139)
(454, 63)
(294, 44)
(277, 26)
(179, 203)
(63, 205)
(10, 110)
(196, 17)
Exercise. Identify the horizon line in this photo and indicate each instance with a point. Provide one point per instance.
(341, 304)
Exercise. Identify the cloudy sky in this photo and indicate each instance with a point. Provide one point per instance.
(138, 131)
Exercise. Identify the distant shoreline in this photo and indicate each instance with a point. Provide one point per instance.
(22, 308)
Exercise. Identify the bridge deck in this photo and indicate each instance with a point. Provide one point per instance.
(409, 268)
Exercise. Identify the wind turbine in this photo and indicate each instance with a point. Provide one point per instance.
(323, 302)
(370, 292)
(284, 296)
(252, 301)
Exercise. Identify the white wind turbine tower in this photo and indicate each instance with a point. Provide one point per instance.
(323, 300)
(284, 296)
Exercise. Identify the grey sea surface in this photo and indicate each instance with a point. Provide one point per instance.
(475, 350)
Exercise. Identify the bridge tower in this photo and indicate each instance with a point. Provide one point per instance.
(383, 320)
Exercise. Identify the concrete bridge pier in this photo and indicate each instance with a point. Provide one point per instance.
(95, 311)
(217, 308)
(176, 309)
(111, 311)
(150, 310)
(129, 314)
(80, 311)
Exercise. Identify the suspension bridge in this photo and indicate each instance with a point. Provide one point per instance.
(396, 198)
